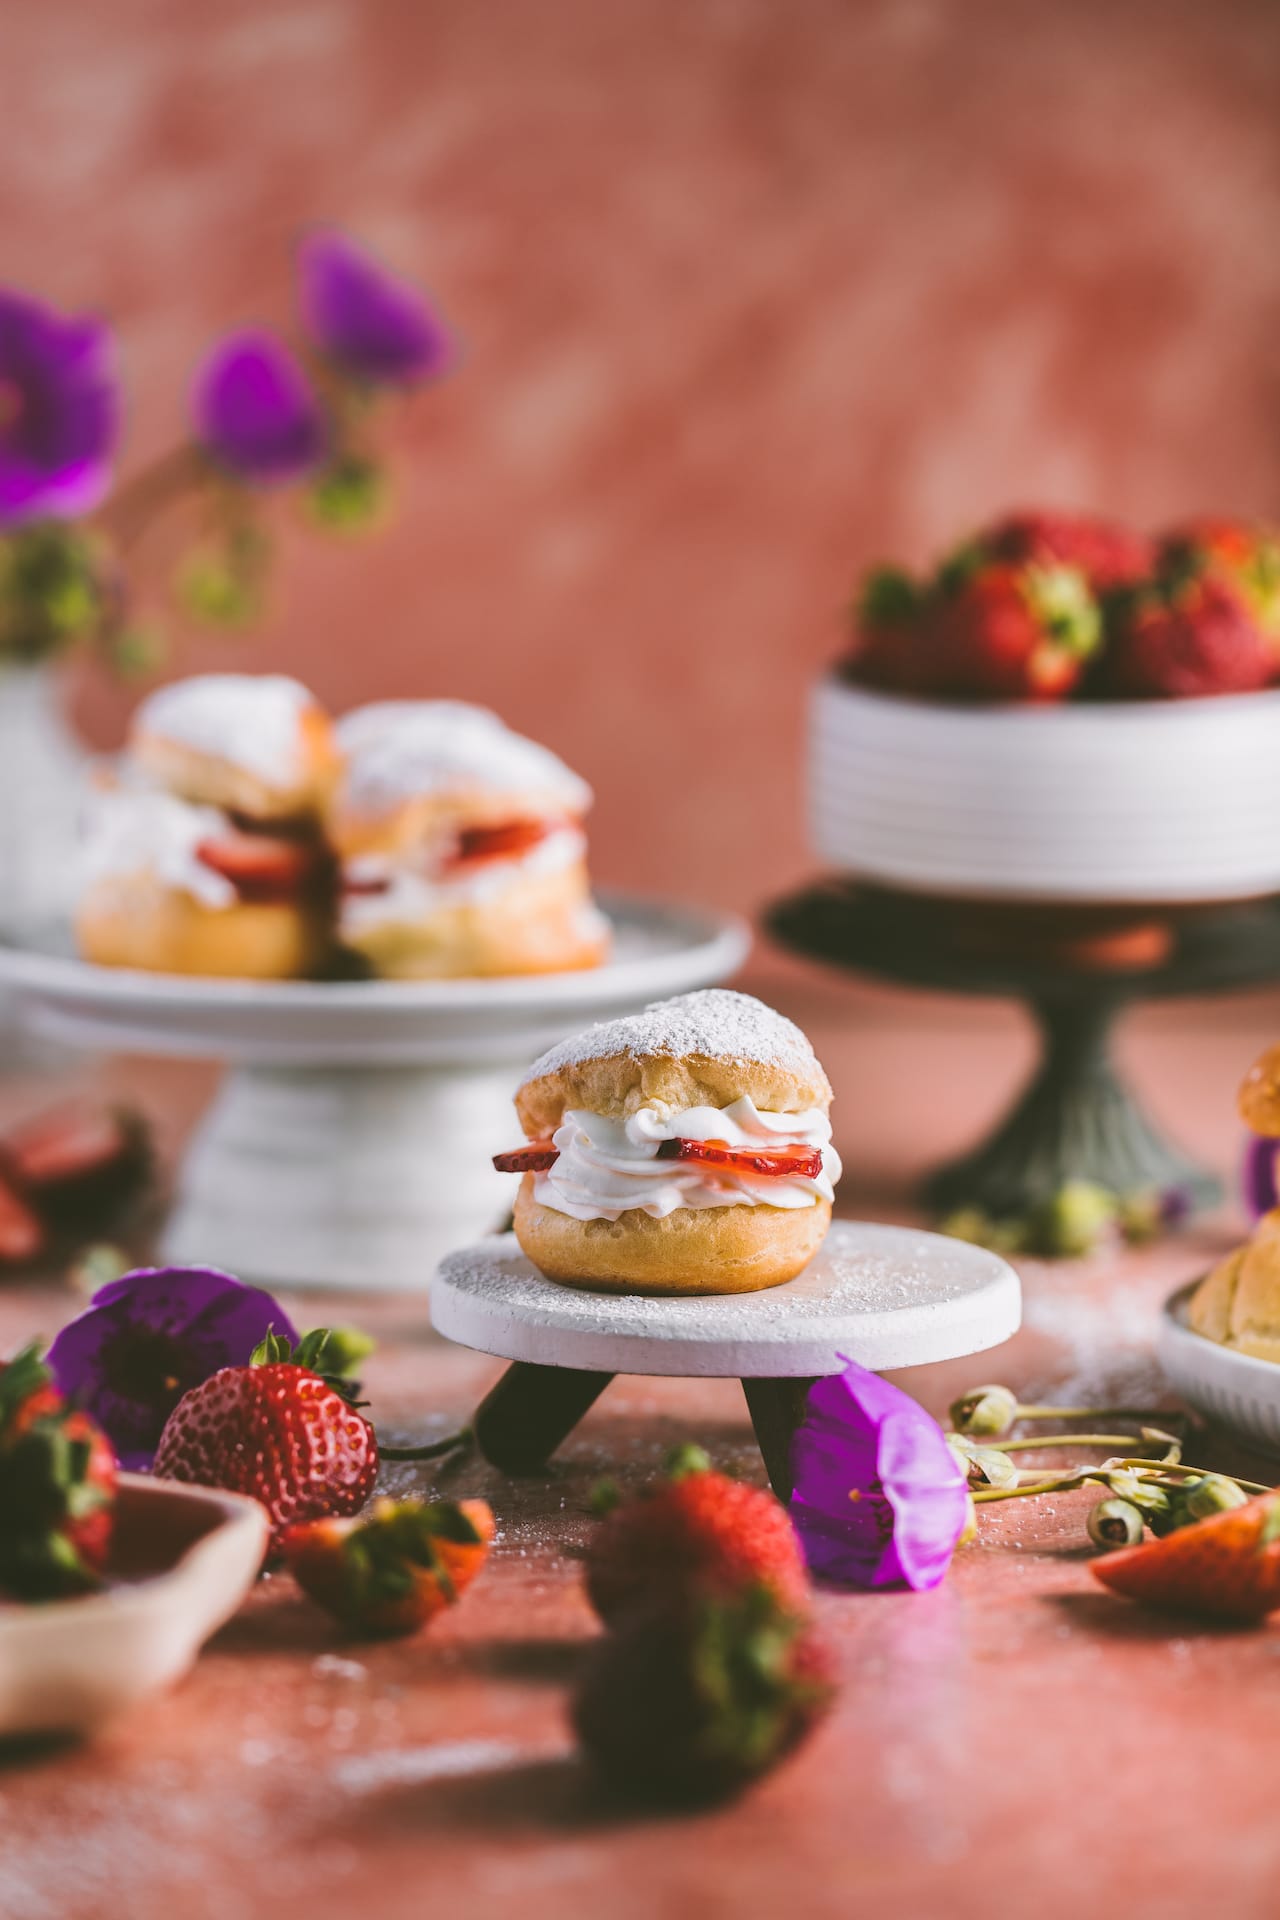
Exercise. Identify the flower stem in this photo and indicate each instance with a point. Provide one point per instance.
(1036, 1441)
(430, 1450)
(1098, 1413)
(181, 471)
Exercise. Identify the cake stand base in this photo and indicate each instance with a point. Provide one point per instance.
(1076, 1120)
(882, 1296)
(345, 1177)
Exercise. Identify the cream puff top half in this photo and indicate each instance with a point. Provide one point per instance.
(439, 801)
(256, 745)
(708, 1100)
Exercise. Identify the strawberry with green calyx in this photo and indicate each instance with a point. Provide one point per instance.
(690, 1703)
(57, 1487)
(699, 1531)
(889, 630)
(1186, 636)
(395, 1570)
(1246, 556)
(79, 1166)
(1004, 631)
(277, 1430)
(1226, 1567)
(1108, 554)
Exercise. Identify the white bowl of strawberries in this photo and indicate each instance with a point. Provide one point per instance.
(1064, 712)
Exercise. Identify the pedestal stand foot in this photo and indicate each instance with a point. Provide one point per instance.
(520, 1422)
(777, 1408)
(1075, 1121)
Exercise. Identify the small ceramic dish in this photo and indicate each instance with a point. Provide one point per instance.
(183, 1559)
(1235, 1389)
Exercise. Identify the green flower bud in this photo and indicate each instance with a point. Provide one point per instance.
(349, 495)
(1212, 1494)
(1141, 1217)
(985, 1410)
(988, 1467)
(1072, 1221)
(1151, 1500)
(1115, 1523)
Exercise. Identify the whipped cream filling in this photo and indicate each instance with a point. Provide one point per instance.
(132, 831)
(252, 719)
(609, 1167)
(402, 891)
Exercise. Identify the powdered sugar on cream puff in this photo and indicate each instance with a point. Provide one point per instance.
(607, 1167)
(255, 721)
(133, 831)
(399, 750)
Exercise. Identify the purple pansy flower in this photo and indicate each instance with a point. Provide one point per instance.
(59, 411)
(256, 412)
(150, 1337)
(878, 1498)
(375, 327)
(1259, 1175)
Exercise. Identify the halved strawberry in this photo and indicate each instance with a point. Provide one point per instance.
(395, 1569)
(80, 1163)
(535, 1158)
(22, 1237)
(1226, 1567)
(260, 865)
(503, 842)
(767, 1160)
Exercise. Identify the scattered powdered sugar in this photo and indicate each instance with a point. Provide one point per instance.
(716, 1022)
(450, 1760)
(251, 719)
(396, 750)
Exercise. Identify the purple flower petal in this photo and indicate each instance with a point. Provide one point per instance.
(878, 1498)
(256, 412)
(1259, 1175)
(150, 1337)
(375, 327)
(59, 412)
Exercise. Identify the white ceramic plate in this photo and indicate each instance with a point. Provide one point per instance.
(1233, 1388)
(658, 951)
(184, 1558)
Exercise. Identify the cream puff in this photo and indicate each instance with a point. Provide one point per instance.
(461, 847)
(1238, 1304)
(685, 1149)
(203, 852)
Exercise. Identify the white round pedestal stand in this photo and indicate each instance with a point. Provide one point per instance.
(886, 1297)
(351, 1140)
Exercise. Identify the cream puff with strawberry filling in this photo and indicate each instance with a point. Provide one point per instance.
(203, 851)
(461, 847)
(686, 1149)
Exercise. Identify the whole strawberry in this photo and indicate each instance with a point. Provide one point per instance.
(1245, 556)
(396, 1570)
(1000, 631)
(1108, 555)
(1185, 637)
(698, 1532)
(889, 650)
(689, 1704)
(279, 1431)
(57, 1487)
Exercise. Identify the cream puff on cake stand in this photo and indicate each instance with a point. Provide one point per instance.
(886, 1297)
(350, 1143)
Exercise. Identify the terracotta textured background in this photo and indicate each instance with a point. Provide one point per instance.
(752, 293)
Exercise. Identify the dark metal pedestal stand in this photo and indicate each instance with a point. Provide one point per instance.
(1075, 1119)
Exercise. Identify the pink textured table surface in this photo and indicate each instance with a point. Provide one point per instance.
(1016, 1741)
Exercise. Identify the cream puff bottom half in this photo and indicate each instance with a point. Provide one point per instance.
(142, 923)
(541, 923)
(693, 1250)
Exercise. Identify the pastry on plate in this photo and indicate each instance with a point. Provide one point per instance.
(461, 847)
(1238, 1304)
(685, 1149)
(203, 848)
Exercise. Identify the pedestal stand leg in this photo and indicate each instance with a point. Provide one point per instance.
(521, 1422)
(350, 1177)
(777, 1408)
(1076, 1120)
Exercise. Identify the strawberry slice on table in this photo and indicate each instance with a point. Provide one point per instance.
(535, 1158)
(396, 1570)
(22, 1235)
(1226, 1567)
(767, 1160)
(260, 865)
(502, 842)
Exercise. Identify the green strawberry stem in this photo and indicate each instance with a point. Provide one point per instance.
(431, 1449)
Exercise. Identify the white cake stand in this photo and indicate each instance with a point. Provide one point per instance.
(883, 1296)
(350, 1143)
